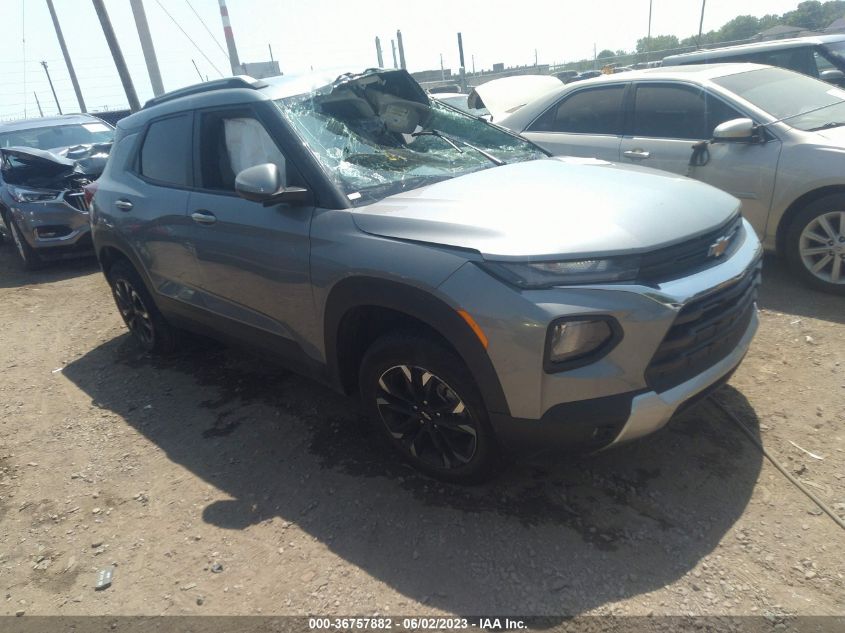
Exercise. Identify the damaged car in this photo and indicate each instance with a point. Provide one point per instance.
(479, 296)
(45, 165)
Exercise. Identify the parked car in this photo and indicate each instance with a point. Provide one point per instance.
(565, 75)
(44, 165)
(587, 74)
(819, 56)
(509, 94)
(460, 100)
(478, 295)
(769, 136)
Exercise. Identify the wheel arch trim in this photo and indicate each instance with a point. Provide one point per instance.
(418, 304)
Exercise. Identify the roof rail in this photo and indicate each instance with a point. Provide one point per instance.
(238, 81)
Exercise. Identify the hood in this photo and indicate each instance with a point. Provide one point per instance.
(41, 168)
(504, 96)
(834, 136)
(552, 207)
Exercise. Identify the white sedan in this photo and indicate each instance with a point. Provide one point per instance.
(769, 136)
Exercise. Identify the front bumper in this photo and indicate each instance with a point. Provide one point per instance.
(601, 422)
(55, 229)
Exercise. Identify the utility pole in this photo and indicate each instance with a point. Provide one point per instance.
(197, 69)
(147, 45)
(117, 55)
(535, 57)
(50, 81)
(701, 22)
(442, 72)
(595, 58)
(393, 46)
(462, 69)
(66, 55)
(648, 37)
(38, 103)
(270, 48)
(378, 53)
(473, 64)
(401, 49)
(230, 39)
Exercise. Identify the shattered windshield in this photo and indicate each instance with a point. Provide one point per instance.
(375, 136)
(58, 136)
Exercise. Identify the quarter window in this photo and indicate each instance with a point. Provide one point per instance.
(589, 111)
(678, 112)
(166, 153)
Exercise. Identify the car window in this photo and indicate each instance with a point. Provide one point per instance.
(682, 112)
(231, 141)
(166, 152)
(59, 136)
(589, 111)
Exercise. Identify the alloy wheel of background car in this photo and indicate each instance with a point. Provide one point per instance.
(822, 247)
(426, 416)
(138, 310)
(424, 402)
(29, 259)
(815, 244)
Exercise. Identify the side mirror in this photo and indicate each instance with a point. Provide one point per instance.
(263, 183)
(835, 77)
(735, 131)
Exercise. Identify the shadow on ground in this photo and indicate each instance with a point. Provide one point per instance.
(13, 276)
(784, 292)
(552, 535)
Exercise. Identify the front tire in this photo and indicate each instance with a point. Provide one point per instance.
(425, 403)
(28, 257)
(138, 310)
(815, 244)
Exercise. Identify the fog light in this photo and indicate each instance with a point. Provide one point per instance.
(571, 339)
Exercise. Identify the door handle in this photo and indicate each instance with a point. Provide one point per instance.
(203, 217)
(636, 154)
(123, 205)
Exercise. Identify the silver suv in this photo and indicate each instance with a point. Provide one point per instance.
(479, 296)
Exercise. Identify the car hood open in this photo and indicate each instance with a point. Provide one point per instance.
(34, 167)
(505, 96)
(562, 206)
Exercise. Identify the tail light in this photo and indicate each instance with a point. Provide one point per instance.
(90, 189)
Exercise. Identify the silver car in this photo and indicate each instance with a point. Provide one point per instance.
(44, 166)
(773, 138)
(478, 295)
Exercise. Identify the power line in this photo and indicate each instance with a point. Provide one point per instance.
(205, 26)
(189, 38)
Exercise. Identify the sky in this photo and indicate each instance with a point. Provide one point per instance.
(319, 33)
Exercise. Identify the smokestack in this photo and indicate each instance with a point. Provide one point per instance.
(230, 40)
(401, 49)
(378, 53)
(461, 49)
(393, 46)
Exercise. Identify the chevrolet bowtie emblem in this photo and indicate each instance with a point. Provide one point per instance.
(718, 248)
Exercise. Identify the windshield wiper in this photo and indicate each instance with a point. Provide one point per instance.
(827, 126)
(454, 143)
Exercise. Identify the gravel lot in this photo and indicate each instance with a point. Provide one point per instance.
(220, 485)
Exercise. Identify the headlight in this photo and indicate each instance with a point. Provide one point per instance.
(571, 340)
(19, 194)
(563, 273)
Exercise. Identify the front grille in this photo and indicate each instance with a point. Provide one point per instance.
(705, 331)
(690, 256)
(76, 199)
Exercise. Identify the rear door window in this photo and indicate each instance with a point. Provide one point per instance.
(588, 111)
(166, 153)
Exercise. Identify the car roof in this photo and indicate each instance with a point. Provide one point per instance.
(691, 71)
(755, 47)
(49, 121)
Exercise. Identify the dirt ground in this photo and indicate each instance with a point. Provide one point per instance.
(218, 484)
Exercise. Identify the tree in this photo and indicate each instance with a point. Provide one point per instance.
(808, 15)
(657, 43)
(740, 28)
(605, 54)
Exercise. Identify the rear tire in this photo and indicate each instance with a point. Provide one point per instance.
(29, 259)
(425, 403)
(138, 310)
(815, 244)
